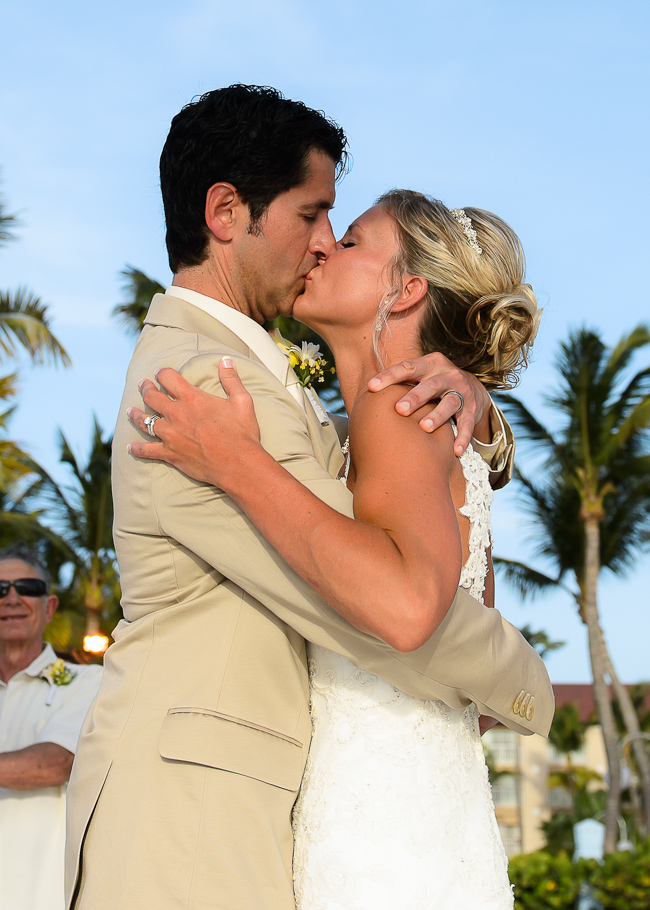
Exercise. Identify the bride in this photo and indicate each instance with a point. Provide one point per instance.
(395, 809)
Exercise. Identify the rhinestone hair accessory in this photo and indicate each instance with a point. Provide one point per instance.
(466, 224)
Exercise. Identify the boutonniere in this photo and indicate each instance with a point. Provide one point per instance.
(306, 361)
(57, 673)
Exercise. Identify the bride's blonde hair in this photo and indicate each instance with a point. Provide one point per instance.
(480, 313)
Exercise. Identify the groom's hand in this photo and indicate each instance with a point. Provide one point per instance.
(434, 375)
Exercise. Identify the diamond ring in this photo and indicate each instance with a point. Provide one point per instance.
(150, 421)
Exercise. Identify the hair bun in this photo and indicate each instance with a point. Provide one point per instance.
(504, 326)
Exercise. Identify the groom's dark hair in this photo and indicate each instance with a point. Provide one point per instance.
(247, 135)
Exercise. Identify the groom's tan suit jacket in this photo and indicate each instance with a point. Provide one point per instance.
(190, 761)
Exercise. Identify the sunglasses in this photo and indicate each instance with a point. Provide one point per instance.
(25, 587)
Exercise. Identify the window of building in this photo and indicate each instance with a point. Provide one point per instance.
(502, 745)
(559, 798)
(505, 790)
(511, 837)
(579, 757)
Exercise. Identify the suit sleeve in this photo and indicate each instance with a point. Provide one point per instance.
(474, 656)
(500, 453)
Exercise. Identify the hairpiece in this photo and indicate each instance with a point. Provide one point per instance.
(466, 224)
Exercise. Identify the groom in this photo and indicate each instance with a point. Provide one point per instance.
(190, 761)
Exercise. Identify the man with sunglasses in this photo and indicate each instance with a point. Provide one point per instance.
(43, 702)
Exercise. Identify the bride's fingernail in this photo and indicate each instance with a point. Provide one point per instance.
(141, 382)
(129, 411)
(155, 372)
(128, 448)
(227, 363)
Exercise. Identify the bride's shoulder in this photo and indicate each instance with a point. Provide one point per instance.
(374, 417)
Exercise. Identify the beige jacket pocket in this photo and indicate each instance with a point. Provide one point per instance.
(204, 737)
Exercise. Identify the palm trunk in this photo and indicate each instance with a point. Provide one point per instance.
(599, 667)
(631, 721)
(93, 603)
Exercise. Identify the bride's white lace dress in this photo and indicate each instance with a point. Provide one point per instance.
(395, 810)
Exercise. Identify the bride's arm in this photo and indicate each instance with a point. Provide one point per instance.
(393, 572)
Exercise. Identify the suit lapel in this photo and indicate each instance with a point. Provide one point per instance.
(173, 312)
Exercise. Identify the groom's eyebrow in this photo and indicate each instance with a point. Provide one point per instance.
(321, 204)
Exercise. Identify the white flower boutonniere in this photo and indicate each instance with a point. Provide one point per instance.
(56, 674)
(307, 361)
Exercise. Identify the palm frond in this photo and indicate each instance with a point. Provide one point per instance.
(139, 290)
(525, 424)
(7, 223)
(528, 582)
(621, 355)
(24, 323)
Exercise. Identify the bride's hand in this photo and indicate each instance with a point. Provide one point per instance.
(436, 375)
(202, 435)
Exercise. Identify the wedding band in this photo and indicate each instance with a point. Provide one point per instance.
(149, 422)
(462, 400)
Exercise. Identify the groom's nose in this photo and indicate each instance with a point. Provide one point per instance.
(322, 242)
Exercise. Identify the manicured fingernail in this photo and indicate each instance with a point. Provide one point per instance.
(141, 382)
(227, 363)
(155, 372)
(128, 448)
(427, 425)
(129, 411)
(403, 407)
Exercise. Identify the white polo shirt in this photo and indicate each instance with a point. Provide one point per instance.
(32, 822)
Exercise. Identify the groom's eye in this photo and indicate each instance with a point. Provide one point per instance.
(347, 243)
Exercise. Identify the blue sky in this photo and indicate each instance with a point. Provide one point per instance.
(535, 111)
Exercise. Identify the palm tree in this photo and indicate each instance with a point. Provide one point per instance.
(540, 641)
(592, 506)
(88, 523)
(81, 516)
(567, 734)
(138, 291)
(7, 223)
(24, 321)
(24, 326)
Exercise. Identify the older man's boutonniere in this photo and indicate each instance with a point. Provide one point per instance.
(56, 674)
(306, 361)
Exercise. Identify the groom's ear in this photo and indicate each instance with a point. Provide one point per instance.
(414, 291)
(223, 208)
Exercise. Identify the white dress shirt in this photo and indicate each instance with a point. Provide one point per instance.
(32, 822)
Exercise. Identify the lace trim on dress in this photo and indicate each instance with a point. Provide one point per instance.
(478, 499)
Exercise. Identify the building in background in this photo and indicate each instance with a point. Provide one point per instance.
(522, 797)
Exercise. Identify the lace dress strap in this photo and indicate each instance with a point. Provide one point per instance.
(478, 499)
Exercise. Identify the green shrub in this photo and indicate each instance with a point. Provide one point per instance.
(546, 882)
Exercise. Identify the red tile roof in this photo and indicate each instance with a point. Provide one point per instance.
(582, 695)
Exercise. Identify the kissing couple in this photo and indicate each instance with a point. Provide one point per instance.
(274, 584)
